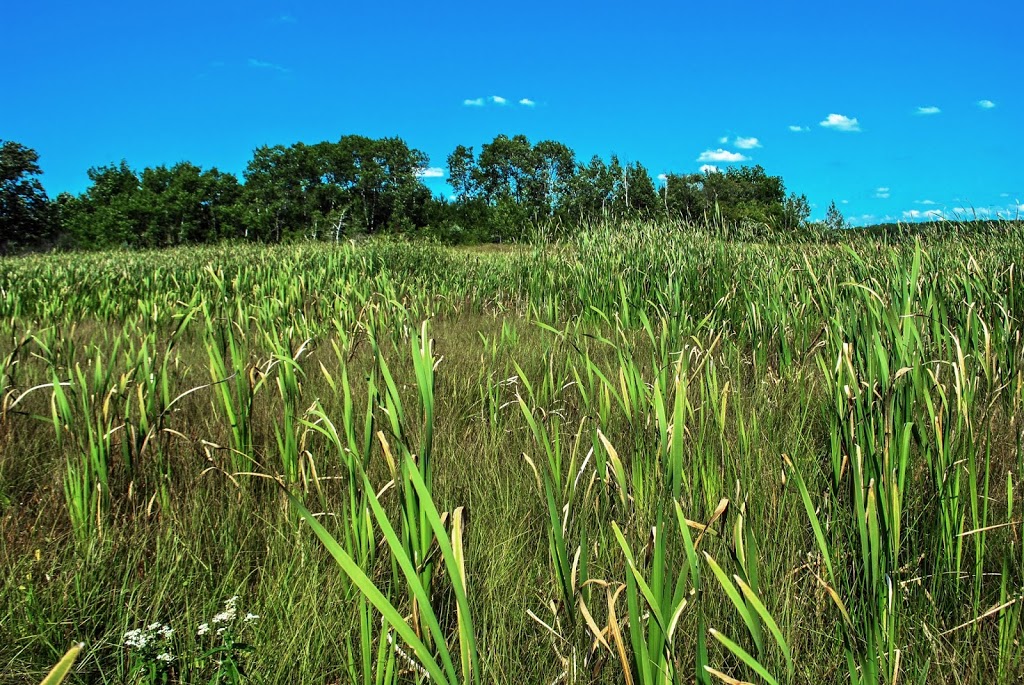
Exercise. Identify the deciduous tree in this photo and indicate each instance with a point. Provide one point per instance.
(26, 217)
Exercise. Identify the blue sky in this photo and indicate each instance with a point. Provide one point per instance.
(675, 85)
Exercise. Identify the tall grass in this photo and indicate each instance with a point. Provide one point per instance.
(644, 454)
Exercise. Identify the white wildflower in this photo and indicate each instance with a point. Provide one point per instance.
(250, 617)
(152, 626)
(225, 616)
(204, 628)
(220, 631)
(136, 638)
(166, 632)
(229, 612)
(166, 656)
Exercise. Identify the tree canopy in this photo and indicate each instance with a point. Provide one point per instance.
(26, 216)
(739, 195)
(360, 185)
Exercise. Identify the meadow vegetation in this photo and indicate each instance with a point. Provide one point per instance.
(642, 454)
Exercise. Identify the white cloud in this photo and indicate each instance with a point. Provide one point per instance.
(287, 19)
(474, 102)
(931, 109)
(925, 202)
(798, 129)
(917, 214)
(845, 202)
(969, 212)
(746, 143)
(882, 193)
(430, 172)
(721, 155)
(260, 64)
(709, 169)
(527, 102)
(841, 122)
(723, 140)
(1004, 195)
(986, 104)
(662, 177)
(498, 100)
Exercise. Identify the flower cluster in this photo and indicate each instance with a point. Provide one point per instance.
(229, 612)
(151, 643)
(226, 617)
(152, 660)
(227, 650)
(141, 638)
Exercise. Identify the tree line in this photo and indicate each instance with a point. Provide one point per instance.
(360, 185)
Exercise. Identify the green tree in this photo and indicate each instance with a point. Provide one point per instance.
(463, 174)
(275, 192)
(356, 185)
(635, 195)
(502, 167)
(685, 197)
(185, 205)
(741, 196)
(384, 188)
(108, 213)
(549, 178)
(518, 183)
(796, 211)
(834, 219)
(26, 216)
(161, 207)
(591, 192)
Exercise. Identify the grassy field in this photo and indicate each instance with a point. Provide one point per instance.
(643, 455)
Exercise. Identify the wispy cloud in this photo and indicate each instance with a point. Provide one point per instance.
(925, 202)
(883, 193)
(430, 172)
(527, 102)
(723, 140)
(986, 104)
(287, 19)
(798, 129)
(260, 64)
(746, 143)
(492, 99)
(841, 122)
(721, 155)
(925, 111)
(663, 177)
(709, 169)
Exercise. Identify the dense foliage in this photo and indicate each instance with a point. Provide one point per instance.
(25, 211)
(365, 186)
(377, 461)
